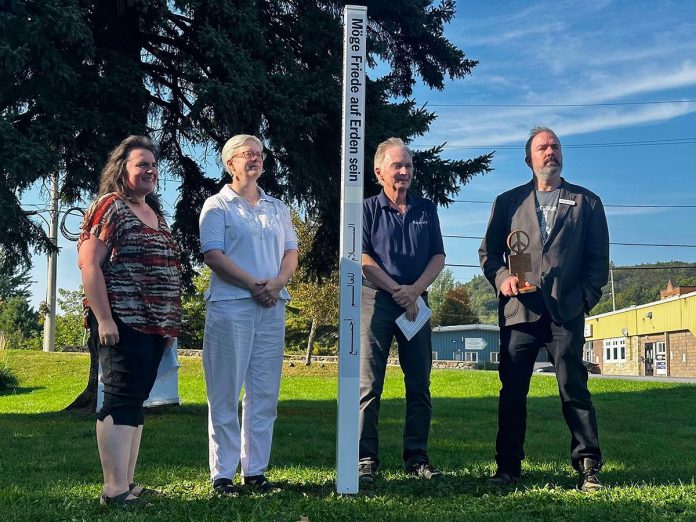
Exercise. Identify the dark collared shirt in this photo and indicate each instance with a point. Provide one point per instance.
(401, 244)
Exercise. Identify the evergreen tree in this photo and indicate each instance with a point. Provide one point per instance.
(14, 280)
(77, 76)
(19, 323)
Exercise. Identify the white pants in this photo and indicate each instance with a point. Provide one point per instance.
(242, 345)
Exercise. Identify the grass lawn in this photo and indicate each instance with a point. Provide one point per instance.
(49, 466)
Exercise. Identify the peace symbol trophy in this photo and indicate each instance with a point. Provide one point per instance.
(519, 262)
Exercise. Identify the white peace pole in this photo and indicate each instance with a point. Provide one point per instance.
(352, 158)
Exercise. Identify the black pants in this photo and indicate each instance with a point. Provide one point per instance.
(379, 311)
(519, 346)
(129, 371)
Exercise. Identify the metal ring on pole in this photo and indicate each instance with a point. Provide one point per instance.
(71, 236)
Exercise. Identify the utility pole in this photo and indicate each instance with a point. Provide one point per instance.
(613, 298)
(49, 340)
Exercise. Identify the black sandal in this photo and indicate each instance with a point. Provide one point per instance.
(225, 488)
(260, 484)
(144, 492)
(122, 501)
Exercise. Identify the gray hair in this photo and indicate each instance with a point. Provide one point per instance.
(235, 143)
(532, 133)
(386, 145)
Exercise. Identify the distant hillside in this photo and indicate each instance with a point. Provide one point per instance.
(640, 284)
(634, 285)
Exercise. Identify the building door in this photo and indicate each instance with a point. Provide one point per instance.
(660, 366)
(649, 358)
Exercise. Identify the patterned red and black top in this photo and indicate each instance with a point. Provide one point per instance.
(142, 270)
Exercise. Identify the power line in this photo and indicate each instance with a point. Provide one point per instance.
(651, 206)
(605, 104)
(671, 141)
(455, 236)
(655, 245)
(43, 207)
(461, 237)
(674, 141)
(654, 267)
(606, 204)
(686, 267)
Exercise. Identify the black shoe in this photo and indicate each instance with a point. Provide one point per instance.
(122, 501)
(502, 478)
(141, 491)
(260, 484)
(225, 488)
(367, 472)
(424, 470)
(589, 475)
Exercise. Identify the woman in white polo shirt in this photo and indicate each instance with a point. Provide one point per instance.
(248, 241)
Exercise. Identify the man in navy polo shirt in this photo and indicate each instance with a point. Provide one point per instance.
(402, 256)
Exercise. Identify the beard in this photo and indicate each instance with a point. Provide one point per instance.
(548, 172)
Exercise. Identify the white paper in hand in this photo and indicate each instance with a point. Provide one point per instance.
(411, 328)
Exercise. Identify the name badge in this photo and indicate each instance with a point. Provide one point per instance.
(566, 202)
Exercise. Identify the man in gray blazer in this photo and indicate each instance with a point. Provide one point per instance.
(569, 248)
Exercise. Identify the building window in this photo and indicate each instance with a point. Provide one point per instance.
(588, 352)
(615, 349)
(660, 348)
(495, 357)
(434, 356)
(471, 356)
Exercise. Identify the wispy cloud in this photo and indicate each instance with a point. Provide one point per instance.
(649, 80)
(632, 211)
(616, 119)
(526, 24)
(665, 50)
(611, 58)
(491, 126)
(506, 127)
(504, 36)
(543, 49)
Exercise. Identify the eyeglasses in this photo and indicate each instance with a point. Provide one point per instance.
(251, 156)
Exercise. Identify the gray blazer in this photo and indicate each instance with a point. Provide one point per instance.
(569, 270)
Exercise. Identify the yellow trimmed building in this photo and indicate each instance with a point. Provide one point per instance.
(657, 338)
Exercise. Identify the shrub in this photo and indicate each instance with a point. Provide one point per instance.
(8, 380)
(15, 340)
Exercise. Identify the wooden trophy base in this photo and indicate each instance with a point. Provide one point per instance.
(527, 289)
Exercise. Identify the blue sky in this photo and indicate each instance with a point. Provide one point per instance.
(607, 58)
(591, 70)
